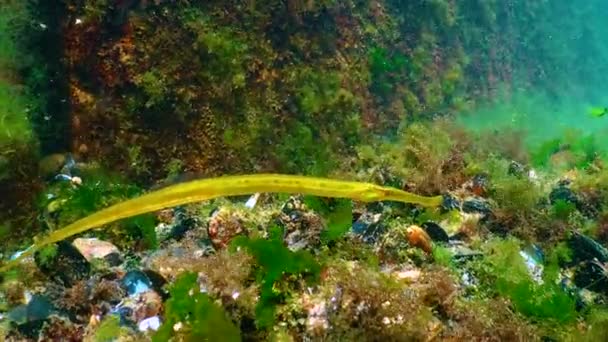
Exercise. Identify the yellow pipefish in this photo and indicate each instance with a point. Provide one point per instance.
(205, 189)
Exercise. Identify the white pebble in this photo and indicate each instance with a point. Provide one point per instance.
(177, 326)
(151, 323)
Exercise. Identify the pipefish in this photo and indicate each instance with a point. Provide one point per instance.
(224, 186)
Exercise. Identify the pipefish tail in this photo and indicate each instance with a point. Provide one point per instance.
(205, 189)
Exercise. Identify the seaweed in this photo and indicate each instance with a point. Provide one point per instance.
(199, 317)
(277, 264)
(337, 214)
(545, 301)
(109, 329)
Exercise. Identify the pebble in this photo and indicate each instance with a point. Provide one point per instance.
(516, 169)
(435, 231)
(136, 282)
(563, 193)
(67, 264)
(150, 323)
(223, 227)
(252, 201)
(533, 259)
(93, 248)
(476, 205)
(30, 317)
(585, 248)
(450, 203)
(369, 227)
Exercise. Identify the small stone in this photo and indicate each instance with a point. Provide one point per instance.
(92, 248)
(51, 164)
(591, 275)
(113, 259)
(461, 252)
(435, 231)
(66, 264)
(585, 248)
(252, 201)
(223, 227)
(136, 282)
(369, 227)
(516, 169)
(302, 230)
(476, 205)
(30, 317)
(563, 193)
(450, 203)
(408, 275)
(151, 323)
(158, 282)
(479, 185)
(183, 222)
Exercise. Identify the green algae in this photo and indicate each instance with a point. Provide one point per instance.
(109, 329)
(14, 99)
(277, 265)
(337, 214)
(201, 319)
(545, 301)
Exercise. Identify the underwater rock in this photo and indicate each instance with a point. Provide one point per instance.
(369, 227)
(478, 185)
(65, 264)
(294, 208)
(435, 231)
(38, 308)
(302, 227)
(585, 248)
(181, 223)
(317, 320)
(533, 258)
(589, 207)
(151, 323)
(302, 231)
(223, 227)
(516, 169)
(30, 317)
(135, 282)
(593, 276)
(563, 193)
(460, 252)
(158, 282)
(51, 164)
(476, 205)
(135, 309)
(450, 203)
(113, 259)
(93, 248)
